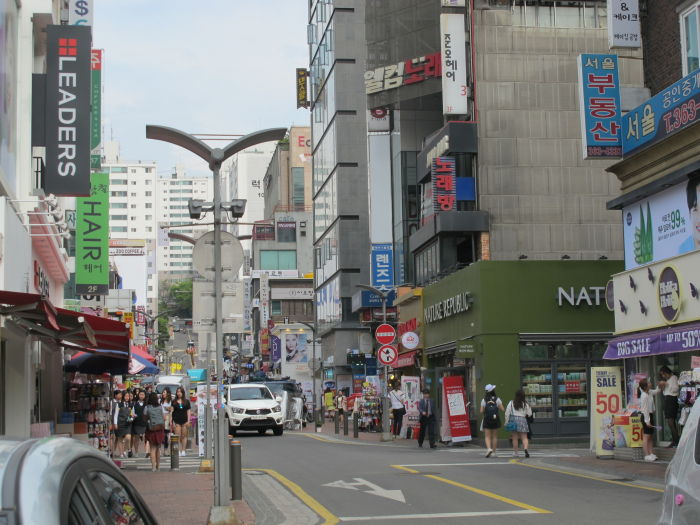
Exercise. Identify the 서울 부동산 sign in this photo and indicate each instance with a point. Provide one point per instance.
(92, 239)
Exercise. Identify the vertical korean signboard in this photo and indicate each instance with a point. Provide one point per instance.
(443, 170)
(454, 65)
(68, 84)
(96, 101)
(264, 299)
(382, 266)
(599, 106)
(302, 94)
(606, 397)
(623, 24)
(92, 239)
(246, 304)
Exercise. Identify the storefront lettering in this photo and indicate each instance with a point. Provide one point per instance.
(634, 347)
(450, 306)
(441, 147)
(408, 326)
(41, 280)
(582, 296)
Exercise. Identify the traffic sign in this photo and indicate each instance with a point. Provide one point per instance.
(409, 340)
(387, 355)
(385, 334)
(231, 256)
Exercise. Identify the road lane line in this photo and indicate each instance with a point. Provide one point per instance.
(403, 467)
(453, 464)
(517, 462)
(491, 495)
(303, 496)
(338, 441)
(439, 515)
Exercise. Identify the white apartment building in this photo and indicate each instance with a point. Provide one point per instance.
(172, 196)
(132, 215)
(242, 178)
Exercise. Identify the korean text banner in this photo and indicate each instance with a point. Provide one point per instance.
(68, 112)
(92, 239)
(606, 396)
(382, 266)
(599, 106)
(302, 95)
(443, 170)
(672, 110)
(623, 24)
(663, 225)
(457, 409)
(96, 101)
(454, 65)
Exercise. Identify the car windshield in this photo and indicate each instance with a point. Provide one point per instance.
(278, 387)
(249, 392)
(162, 386)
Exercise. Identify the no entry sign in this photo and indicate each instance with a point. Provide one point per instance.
(385, 334)
(388, 355)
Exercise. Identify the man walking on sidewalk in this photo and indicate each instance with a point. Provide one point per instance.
(426, 409)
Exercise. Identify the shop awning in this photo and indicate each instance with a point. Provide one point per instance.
(136, 350)
(667, 341)
(72, 330)
(405, 359)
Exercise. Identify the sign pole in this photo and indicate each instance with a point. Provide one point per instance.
(386, 430)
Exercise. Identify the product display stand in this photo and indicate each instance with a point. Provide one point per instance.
(89, 411)
(370, 410)
(689, 382)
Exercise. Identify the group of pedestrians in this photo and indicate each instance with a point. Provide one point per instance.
(145, 416)
(518, 416)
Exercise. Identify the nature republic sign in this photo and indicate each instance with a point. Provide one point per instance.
(456, 304)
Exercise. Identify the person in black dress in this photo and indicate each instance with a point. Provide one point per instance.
(181, 411)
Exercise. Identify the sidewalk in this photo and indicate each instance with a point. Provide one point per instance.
(622, 470)
(182, 498)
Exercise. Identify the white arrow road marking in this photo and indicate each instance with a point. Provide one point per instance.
(396, 495)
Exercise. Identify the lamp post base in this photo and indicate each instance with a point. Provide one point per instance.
(386, 437)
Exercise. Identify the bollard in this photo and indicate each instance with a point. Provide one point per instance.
(337, 423)
(345, 423)
(355, 425)
(236, 476)
(175, 453)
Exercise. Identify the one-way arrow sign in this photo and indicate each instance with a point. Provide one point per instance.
(396, 495)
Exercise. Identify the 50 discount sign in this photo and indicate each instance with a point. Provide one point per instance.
(607, 399)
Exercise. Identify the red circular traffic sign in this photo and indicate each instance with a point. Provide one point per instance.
(387, 355)
(385, 334)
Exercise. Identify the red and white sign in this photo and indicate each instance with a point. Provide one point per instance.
(405, 359)
(573, 386)
(385, 334)
(140, 317)
(410, 340)
(455, 401)
(387, 355)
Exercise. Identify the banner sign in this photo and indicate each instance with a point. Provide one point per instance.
(128, 318)
(599, 106)
(623, 24)
(454, 65)
(80, 12)
(443, 171)
(92, 237)
(264, 300)
(662, 226)
(683, 339)
(140, 315)
(410, 385)
(455, 402)
(663, 115)
(275, 349)
(127, 247)
(606, 398)
(382, 266)
(302, 88)
(68, 115)
(96, 101)
(246, 304)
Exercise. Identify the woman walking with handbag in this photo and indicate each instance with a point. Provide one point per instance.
(516, 421)
(155, 424)
(398, 409)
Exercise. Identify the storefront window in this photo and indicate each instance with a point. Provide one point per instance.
(570, 351)
(529, 352)
(689, 39)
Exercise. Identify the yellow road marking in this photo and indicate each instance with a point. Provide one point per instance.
(338, 441)
(491, 495)
(405, 468)
(303, 496)
(587, 477)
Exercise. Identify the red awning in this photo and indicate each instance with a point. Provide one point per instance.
(135, 350)
(405, 359)
(36, 313)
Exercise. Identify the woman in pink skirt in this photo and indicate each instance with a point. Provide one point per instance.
(155, 423)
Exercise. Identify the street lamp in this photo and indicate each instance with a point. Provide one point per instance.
(386, 430)
(215, 157)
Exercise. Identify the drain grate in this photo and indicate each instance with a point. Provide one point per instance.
(622, 479)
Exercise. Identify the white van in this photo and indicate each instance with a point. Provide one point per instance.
(173, 382)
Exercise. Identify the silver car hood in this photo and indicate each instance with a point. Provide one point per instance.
(252, 403)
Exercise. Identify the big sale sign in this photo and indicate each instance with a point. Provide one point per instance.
(606, 396)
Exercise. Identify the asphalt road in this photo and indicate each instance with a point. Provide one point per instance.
(360, 482)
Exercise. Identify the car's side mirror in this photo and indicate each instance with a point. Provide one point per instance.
(278, 399)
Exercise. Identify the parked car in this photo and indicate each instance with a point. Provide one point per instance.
(682, 495)
(252, 406)
(62, 480)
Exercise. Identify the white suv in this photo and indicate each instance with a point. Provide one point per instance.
(252, 406)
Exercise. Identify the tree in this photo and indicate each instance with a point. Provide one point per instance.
(180, 297)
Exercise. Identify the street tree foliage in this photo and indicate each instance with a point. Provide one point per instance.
(180, 297)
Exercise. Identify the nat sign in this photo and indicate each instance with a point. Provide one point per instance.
(68, 83)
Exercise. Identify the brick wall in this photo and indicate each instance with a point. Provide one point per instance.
(661, 37)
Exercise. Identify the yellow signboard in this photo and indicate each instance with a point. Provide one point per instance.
(128, 318)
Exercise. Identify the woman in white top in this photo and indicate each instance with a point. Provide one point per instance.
(518, 410)
(671, 391)
(398, 409)
(647, 408)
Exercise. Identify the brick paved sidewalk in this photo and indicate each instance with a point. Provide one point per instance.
(182, 498)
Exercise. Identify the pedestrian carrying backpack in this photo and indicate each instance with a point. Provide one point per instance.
(124, 416)
(156, 421)
(491, 410)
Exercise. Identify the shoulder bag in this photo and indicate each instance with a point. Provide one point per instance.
(511, 425)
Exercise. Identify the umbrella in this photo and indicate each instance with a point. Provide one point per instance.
(99, 363)
(135, 350)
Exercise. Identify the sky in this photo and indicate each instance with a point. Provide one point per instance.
(211, 66)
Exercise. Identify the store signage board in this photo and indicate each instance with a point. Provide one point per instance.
(80, 12)
(140, 315)
(246, 304)
(443, 171)
(599, 106)
(378, 119)
(367, 299)
(96, 117)
(383, 266)
(606, 397)
(264, 299)
(387, 355)
(302, 88)
(610, 296)
(661, 226)
(452, 305)
(68, 111)
(92, 238)
(453, 3)
(453, 391)
(465, 349)
(410, 340)
(573, 386)
(404, 73)
(455, 100)
(292, 293)
(127, 247)
(128, 318)
(623, 24)
(670, 294)
(276, 274)
(385, 334)
(406, 359)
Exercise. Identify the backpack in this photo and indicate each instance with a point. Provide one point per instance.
(156, 421)
(124, 416)
(491, 410)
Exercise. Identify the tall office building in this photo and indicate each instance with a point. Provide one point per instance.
(173, 195)
(340, 182)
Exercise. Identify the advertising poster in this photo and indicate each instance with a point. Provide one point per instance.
(662, 226)
(456, 408)
(606, 397)
(201, 403)
(295, 348)
(307, 389)
(276, 349)
(410, 386)
(357, 380)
